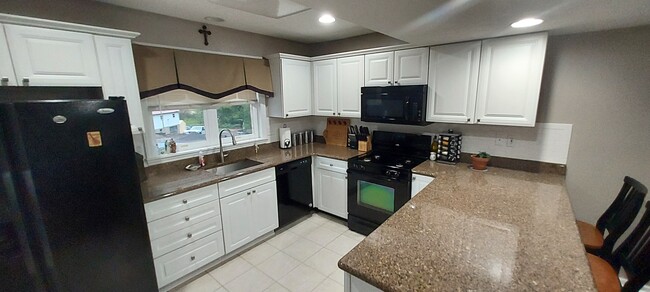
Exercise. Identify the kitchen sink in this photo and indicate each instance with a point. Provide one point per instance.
(233, 167)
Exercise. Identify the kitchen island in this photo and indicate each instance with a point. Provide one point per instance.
(499, 230)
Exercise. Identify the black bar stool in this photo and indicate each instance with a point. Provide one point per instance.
(616, 219)
(633, 255)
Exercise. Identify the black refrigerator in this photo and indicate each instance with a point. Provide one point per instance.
(71, 210)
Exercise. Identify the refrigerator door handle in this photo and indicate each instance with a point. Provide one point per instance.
(144, 145)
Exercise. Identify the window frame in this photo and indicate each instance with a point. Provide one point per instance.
(259, 123)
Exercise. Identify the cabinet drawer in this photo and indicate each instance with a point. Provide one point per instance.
(185, 201)
(182, 261)
(185, 219)
(330, 164)
(238, 184)
(185, 236)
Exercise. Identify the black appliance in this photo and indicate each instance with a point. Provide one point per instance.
(294, 185)
(379, 182)
(71, 210)
(394, 104)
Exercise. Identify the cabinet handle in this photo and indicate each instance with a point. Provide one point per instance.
(333, 114)
(192, 258)
(331, 164)
(253, 191)
(184, 201)
(187, 218)
(346, 177)
(478, 120)
(5, 80)
(339, 114)
(287, 115)
(413, 178)
(390, 82)
(396, 82)
(189, 235)
(468, 120)
(249, 193)
(25, 81)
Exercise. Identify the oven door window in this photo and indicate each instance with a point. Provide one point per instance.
(374, 196)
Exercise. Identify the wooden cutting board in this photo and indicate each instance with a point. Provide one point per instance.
(336, 132)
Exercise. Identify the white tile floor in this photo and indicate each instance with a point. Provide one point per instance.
(302, 258)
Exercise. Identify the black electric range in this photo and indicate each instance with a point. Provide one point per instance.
(379, 182)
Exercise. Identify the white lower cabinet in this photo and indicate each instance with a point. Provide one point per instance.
(249, 214)
(418, 183)
(182, 261)
(331, 186)
(185, 232)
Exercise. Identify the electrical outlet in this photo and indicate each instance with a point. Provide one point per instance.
(510, 142)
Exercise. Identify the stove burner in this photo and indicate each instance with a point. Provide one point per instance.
(367, 159)
(399, 165)
(408, 161)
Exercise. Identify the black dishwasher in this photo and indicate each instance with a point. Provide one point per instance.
(295, 198)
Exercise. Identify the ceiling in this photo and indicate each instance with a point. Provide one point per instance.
(419, 22)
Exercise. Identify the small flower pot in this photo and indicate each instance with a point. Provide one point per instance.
(479, 163)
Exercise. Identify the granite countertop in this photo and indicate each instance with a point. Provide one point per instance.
(500, 230)
(178, 181)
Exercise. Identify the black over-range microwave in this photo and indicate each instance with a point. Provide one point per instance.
(394, 104)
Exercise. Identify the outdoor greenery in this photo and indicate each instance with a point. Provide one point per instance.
(235, 117)
(192, 117)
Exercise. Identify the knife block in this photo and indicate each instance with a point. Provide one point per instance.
(365, 146)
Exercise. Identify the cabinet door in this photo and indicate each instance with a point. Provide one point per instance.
(237, 217)
(265, 209)
(379, 69)
(510, 79)
(48, 57)
(117, 70)
(325, 93)
(452, 84)
(7, 75)
(296, 88)
(333, 192)
(350, 81)
(411, 66)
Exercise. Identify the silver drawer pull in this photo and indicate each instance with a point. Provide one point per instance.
(189, 235)
(187, 218)
(192, 258)
(248, 193)
(25, 81)
(253, 191)
(184, 201)
(331, 164)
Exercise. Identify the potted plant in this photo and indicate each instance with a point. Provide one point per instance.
(480, 161)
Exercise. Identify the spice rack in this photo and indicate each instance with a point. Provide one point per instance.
(449, 147)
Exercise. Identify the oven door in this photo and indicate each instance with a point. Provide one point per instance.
(374, 198)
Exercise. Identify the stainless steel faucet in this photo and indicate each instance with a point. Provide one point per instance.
(221, 144)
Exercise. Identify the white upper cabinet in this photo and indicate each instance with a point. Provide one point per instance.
(325, 88)
(49, 57)
(337, 87)
(510, 80)
(411, 66)
(7, 75)
(350, 80)
(405, 67)
(292, 86)
(117, 70)
(379, 69)
(453, 79)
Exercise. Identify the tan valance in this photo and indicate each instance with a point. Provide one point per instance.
(211, 75)
(258, 76)
(214, 76)
(156, 70)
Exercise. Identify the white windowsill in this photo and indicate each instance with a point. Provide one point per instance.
(164, 158)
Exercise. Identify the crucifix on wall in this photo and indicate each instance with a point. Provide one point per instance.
(205, 32)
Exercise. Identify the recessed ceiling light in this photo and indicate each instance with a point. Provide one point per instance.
(214, 19)
(527, 22)
(327, 18)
